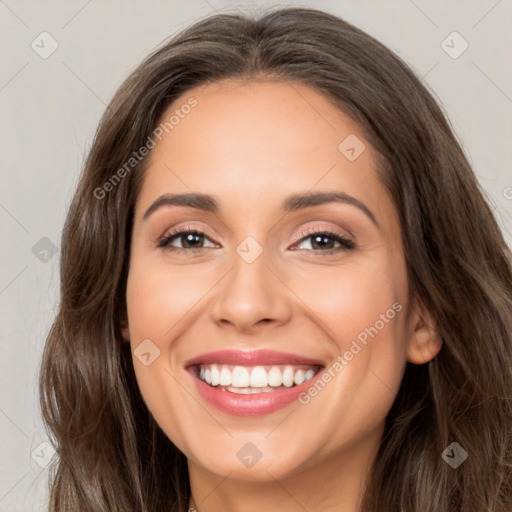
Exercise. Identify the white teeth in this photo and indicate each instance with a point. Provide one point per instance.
(259, 377)
(247, 379)
(287, 377)
(249, 391)
(240, 391)
(214, 370)
(240, 377)
(300, 377)
(225, 377)
(275, 377)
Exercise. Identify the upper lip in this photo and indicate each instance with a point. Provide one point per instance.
(251, 358)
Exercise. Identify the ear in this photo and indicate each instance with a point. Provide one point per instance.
(125, 330)
(424, 341)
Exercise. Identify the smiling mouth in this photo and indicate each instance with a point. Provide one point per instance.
(254, 379)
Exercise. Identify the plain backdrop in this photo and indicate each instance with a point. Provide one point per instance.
(50, 107)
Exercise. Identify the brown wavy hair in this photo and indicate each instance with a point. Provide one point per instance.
(112, 456)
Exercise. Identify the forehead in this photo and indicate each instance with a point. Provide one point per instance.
(259, 141)
(272, 120)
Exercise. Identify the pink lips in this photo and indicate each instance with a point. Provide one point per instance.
(254, 404)
(251, 358)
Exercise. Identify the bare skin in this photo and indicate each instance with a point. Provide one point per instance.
(250, 146)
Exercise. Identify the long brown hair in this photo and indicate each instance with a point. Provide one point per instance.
(112, 456)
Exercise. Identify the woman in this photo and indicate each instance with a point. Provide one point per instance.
(282, 288)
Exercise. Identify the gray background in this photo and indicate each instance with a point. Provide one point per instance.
(49, 109)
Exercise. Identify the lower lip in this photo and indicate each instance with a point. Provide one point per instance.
(257, 404)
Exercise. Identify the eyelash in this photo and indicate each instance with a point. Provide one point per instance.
(345, 243)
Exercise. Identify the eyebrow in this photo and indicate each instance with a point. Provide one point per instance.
(292, 203)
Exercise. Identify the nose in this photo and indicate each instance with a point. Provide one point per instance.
(252, 295)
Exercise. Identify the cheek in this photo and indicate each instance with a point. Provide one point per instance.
(163, 302)
(350, 298)
(159, 297)
(360, 306)
(160, 300)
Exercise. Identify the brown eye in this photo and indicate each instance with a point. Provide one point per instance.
(324, 241)
(187, 239)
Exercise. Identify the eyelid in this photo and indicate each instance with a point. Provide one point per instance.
(321, 229)
(180, 229)
(303, 235)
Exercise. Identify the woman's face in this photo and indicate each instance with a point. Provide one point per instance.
(297, 273)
